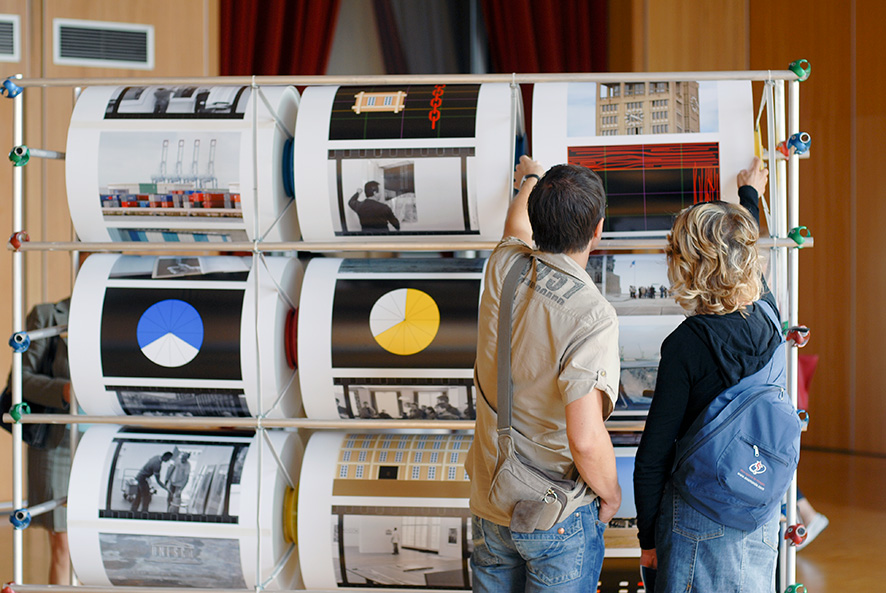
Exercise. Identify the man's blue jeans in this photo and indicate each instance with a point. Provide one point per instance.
(562, 562)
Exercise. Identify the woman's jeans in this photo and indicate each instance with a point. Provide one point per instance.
(696, 553)
(509, 562)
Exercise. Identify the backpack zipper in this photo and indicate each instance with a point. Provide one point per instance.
(722, 427)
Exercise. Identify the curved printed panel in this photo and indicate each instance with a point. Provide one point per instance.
(390, 339)
(178, 164)
(177, 335)
(405, 162)
(182, 510)
(385, 510)
(657, 146)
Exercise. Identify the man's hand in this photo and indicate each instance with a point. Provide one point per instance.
(649, 558)
(757, 176)
(525, 167)
(608, 508)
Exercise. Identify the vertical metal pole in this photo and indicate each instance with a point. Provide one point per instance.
(773, 184)
(776, 282)
(74, 408)
(258, 439)
(18, 289)
(793, 306)
(782, 187)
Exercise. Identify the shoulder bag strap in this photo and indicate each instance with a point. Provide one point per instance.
(505, 307)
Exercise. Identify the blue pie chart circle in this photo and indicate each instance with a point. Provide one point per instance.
(170, 333)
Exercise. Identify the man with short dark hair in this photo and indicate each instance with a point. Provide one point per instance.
(150, 469)
(565, 372)
(373, 213)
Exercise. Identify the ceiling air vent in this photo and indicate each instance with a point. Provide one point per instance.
(10, 38)
(102, 45)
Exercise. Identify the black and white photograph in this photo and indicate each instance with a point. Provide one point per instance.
(176, 267)
(408, 550)
(636, 387)
(178, 102)
(402, 399)
(634, 283)
(417, 191)
(146, 267)
(172, 401)
(174, 481)
(171, 561)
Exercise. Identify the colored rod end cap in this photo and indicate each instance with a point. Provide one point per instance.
(10, 89)
(8, 588)
(795, 534)
(804, 417)
(18, 410)
(802, 68)
(20, 342)
(290, 514)
(798, 335)
(797, 588)
(20, 519)
(17, 238)
(19, 156)
(291, 338)
(799, 235)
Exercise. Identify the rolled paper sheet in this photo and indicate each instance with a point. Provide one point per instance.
(198, 336)
(182, 164)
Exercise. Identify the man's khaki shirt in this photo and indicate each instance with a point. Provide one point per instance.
(564, 344)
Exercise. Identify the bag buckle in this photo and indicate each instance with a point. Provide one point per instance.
(550, 496)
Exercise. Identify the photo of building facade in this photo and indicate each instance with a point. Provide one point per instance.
(634, 108)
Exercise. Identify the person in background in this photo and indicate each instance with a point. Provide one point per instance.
(177, 477)
(374, 214)
(395, 541)
(149, 470)
(46, 380)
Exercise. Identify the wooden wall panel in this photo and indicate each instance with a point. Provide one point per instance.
(693, 35)
(870, 197)
(842, 200)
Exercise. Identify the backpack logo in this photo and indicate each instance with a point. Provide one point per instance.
(757, 467)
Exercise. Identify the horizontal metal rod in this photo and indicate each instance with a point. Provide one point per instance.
(758, 75)
(605, 245)
(46, 154)
(45, 507)
(46, 332)
(246, 423)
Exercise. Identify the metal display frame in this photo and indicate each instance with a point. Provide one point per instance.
(783, 255)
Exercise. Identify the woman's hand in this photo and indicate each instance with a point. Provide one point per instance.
(649, 559)
(757, 176)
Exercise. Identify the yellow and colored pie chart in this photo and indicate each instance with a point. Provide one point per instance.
(404, 321)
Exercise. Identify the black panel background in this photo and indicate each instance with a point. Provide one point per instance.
(455, 345)
(458, 114)
(219, 357)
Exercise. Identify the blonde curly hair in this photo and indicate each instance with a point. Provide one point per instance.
(713, 263)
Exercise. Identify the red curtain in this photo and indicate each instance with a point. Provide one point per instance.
(547, 35)
(552, 36)
(276, 37)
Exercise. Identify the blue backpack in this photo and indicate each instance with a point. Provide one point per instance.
(736, 461)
